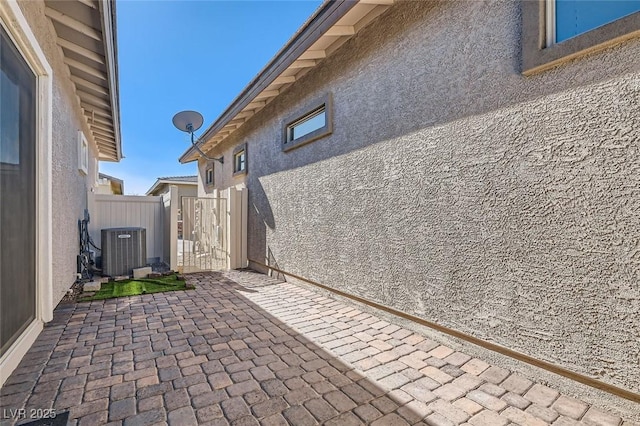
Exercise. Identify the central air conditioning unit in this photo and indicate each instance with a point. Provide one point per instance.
(123, 249)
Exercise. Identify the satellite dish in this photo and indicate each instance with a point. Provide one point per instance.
(188, 121)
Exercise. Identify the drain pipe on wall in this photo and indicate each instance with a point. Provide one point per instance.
(586, 380)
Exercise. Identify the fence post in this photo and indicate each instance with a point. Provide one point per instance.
(237, 202)
(231, 224)
(244, 210)
(174, 205)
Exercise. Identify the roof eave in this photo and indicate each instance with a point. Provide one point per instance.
(161, 182)
(108, 11)
(326, 16)
(188, 156)
(85, 32)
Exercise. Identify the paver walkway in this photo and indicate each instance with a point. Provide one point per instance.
(245, 349)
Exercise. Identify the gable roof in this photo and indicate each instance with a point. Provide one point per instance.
(86, 33)
(173, 180)
(332, 24)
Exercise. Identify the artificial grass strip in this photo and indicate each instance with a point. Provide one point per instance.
(136, 287)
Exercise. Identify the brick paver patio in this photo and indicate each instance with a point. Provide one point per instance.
(246, 349)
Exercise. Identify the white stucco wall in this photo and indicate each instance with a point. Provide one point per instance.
(69, 186)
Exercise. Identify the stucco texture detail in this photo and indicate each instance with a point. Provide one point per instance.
(69, 186)
(458, 190)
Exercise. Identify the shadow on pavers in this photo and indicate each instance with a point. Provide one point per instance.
(208, 355)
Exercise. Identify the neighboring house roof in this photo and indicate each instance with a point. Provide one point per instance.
(86, 33)
(173, 180)
(117, 185)
(325, 31)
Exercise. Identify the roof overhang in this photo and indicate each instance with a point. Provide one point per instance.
(117, 185)
(335, 22)
(161, 182)
(86, 34)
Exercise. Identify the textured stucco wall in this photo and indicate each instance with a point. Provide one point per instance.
(69, 186)
(222, 173)
(456, 189)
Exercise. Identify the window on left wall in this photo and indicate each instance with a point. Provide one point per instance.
(208, 175)
(19, 190)
(83, 154)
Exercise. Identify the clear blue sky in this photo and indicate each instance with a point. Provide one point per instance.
(177, 55)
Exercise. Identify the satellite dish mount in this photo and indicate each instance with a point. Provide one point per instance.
(189, 122)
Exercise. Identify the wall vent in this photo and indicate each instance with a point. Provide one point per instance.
(123, 249)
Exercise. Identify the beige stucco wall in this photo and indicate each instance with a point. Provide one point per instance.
(223, 173)
(103, 188)
(70, 187)
(183, 190)
(456, 189)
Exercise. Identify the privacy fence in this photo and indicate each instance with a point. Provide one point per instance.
(213, 229)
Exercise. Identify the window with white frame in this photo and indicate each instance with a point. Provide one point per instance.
(83, 153)
(554, 31)
(313, 122)
(25, 165)
(240, 160)
(208, 175)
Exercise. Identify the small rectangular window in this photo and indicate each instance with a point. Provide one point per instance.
(83, 153)
(240, 161)
(208, 176)
(313, 123)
